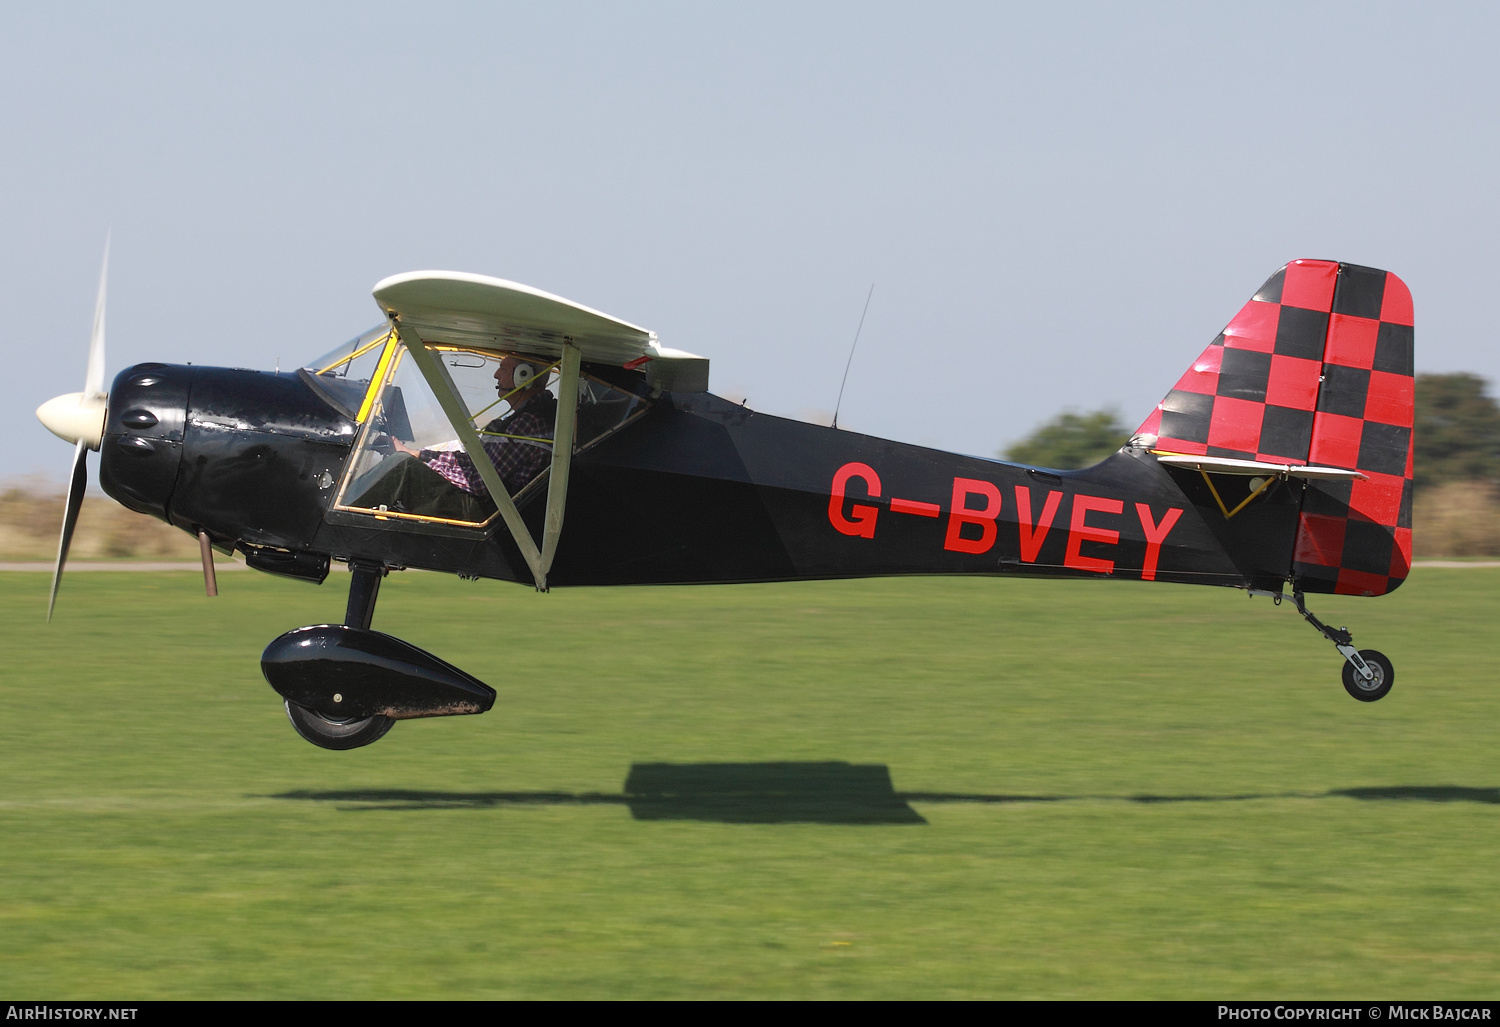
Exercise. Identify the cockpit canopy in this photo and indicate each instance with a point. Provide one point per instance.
(408, 463)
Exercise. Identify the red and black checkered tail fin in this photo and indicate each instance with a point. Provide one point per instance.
(1315, 369)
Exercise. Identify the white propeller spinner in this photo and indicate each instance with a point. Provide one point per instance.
(76, 417)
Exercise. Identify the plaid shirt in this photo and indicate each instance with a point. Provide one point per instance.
(517, 459)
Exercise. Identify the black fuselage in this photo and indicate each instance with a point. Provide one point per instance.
(696, 490)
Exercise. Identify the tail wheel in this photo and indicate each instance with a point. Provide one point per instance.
(328, 733)
(1377, 686)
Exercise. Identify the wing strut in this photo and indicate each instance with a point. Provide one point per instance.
(562, 455)
(441, 383)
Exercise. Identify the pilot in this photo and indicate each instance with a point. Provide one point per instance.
(519, 444)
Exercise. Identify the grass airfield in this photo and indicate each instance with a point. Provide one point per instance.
(867, 789)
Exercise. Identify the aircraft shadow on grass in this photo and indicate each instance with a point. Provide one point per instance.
(831, 792)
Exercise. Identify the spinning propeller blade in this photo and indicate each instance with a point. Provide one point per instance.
(93, 377)
(79, 418)
(76, 486)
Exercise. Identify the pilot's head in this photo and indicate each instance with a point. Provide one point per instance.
(515, 373)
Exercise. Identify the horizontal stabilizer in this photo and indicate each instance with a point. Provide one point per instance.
(1225, 465)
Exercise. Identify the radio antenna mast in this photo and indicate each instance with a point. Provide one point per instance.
(845, 380)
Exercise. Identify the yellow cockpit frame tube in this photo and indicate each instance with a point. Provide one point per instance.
(377, 380)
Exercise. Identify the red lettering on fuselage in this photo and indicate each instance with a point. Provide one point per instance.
(1031, 542)
(1156, 534)
(1080, 532)
(960, 515)
(963, 518)
(861, 519)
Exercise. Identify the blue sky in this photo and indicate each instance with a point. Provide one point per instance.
(1059, 205)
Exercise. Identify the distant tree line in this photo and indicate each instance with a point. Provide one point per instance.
(1070, 441)
(1458, 431)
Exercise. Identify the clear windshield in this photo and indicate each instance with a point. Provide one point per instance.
(355, 360)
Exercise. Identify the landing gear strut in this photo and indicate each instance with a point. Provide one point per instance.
(364, 589)
(1368, 675)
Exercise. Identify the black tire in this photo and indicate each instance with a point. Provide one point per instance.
(1369, 691)
(328, 733)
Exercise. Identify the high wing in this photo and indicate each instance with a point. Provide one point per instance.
(491, 313)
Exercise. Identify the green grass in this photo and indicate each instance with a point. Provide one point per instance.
(1102, 790)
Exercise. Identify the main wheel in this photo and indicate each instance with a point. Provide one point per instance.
(1376, 687)
(336, 734)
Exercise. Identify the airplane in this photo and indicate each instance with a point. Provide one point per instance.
(1281, 460)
